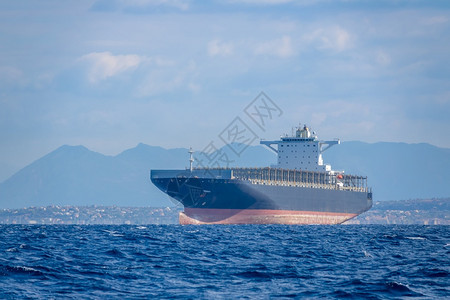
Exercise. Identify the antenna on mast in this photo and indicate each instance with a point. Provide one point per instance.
(191, 158)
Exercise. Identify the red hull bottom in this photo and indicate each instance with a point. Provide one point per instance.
(198, 216)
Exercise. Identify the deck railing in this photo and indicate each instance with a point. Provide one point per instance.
(301, 178)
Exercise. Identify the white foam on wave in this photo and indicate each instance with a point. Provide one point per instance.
(26, 269)
(113, 233)
(367, 254)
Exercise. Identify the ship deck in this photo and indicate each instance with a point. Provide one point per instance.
(298, 178)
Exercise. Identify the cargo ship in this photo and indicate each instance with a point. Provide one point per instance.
(300, 189)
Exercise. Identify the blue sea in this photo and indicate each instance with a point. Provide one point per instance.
(224, 262)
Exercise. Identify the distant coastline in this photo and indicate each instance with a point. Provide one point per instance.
(415, 211)
(434, 211)
(90, 215)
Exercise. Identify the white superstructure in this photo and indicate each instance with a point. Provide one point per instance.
(302, 151)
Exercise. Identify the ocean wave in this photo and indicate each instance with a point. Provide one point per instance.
(274, 261)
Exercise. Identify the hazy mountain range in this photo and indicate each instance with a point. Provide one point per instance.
(74, 175)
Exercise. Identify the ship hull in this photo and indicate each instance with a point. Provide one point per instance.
(199, 216)
(232, 201)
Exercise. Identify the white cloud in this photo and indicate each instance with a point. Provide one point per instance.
(435, 20)
(216, 47)
(126, 4)
(180, 4)
(161, 62)
(279, 2)
(262, 2)
(318, 118)
(383, 58)
(168, 79)
(280, 47)
(334, 38)
(193, 87)
(10, 74)
(104, 64)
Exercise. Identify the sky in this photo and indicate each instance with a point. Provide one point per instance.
(110, 74)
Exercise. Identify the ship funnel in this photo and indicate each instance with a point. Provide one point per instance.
(303, 133)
